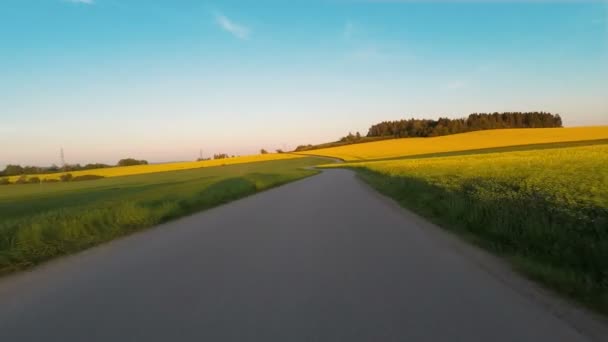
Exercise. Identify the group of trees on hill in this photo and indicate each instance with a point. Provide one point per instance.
(444, 126)
(131, 162)
(221, 156)
(66, 177)
(474, 122)
(15, 170)
(351, 137)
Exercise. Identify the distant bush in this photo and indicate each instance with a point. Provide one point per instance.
(66, 177)
(86, 178)
(279, 151)
(263, 151)
(221, 156)
(4, 181)
(21, 180)
(50, 180)
(304, 147)
(351, 138)
(13, 170)
(33, 180)
(94, 166)
(131, 162)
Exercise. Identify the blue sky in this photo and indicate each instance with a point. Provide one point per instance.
(107, 79)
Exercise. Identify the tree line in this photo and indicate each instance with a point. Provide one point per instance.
(474, 122)
(444, 126)
(16, 170)
(66, 177)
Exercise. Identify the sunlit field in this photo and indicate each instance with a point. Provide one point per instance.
(153, 168)
(546, 209)
(571, 179)
(460, 142)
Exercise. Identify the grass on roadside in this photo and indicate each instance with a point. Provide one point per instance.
(42, 221)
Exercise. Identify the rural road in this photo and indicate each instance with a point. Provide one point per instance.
(321, 259)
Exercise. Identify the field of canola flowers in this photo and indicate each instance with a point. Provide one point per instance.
(460, 142)
(153, 168)
(547, 210)
(567, 177)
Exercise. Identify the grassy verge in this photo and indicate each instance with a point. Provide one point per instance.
(42, 221)
(546, 212)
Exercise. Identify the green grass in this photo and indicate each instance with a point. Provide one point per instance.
(546, 211)
(42, 221)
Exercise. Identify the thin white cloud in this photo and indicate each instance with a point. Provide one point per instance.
(237, 30)
(86, 2)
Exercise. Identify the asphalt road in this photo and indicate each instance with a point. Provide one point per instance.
(322, 259)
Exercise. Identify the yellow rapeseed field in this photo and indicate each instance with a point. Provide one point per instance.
(152, 168)
(461, 142)
(569, 177)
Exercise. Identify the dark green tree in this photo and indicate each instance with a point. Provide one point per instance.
(131, 162)
(66, 177)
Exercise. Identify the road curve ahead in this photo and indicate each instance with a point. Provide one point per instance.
(322, 259)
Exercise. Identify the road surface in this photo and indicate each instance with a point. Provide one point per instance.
(321, 259)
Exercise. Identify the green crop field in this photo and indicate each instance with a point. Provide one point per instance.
(41, 221)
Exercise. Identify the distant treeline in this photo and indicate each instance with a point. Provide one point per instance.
(444, 126)
(474, 122)
(16, 170)
(66, 177)
(222, 156)
(131, 162)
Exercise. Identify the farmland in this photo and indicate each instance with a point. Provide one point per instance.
(42, 221)
(396, 148)
(153, 168)
(546, 210)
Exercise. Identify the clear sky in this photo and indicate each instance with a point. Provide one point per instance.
(107, 79)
